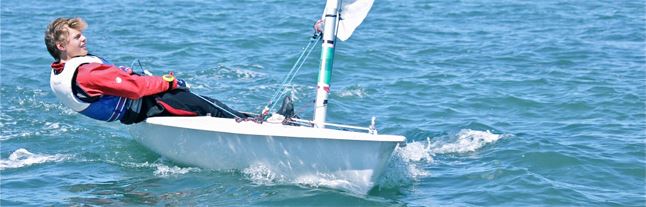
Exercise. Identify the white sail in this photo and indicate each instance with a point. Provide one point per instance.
(352, 14)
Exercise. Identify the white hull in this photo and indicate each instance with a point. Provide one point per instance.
(292, 152)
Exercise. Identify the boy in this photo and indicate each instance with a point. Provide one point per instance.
(95, 88)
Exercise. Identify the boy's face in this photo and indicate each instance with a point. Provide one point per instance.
(74, 46)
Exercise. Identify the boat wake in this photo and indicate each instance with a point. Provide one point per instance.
(22, 158)
(359, 184)
(262, 175)
(163, 170)
(407, 163)
(404, 166)
(466, 140)
(353, 91)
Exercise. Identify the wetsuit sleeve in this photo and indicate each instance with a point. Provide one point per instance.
(102, 79)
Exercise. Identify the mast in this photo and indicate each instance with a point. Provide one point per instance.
(331, 15)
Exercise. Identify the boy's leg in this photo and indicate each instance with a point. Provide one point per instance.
(184, 103)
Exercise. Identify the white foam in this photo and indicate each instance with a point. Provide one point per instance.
(55, 125)
(8, 135)
(358, 186)
(36, 101)
(22, 157)
(247, 74)
(355, 181)
(416, 152)
(48, 128)
(467, 140)
(241, 74)
(261, 174)
(163, 170)
(404, 166)
(353, 91)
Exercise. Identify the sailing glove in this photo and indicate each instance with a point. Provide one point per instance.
(181, 84)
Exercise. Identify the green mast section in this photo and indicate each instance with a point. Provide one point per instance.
(328, 60)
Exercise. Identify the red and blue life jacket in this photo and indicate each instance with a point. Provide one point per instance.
(104, 107)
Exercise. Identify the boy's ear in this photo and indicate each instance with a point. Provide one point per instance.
(60, 46)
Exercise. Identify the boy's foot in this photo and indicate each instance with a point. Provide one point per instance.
(287, 109)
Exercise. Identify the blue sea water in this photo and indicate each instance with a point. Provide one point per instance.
(503, 103)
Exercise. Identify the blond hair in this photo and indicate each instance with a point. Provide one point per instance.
(57, 32)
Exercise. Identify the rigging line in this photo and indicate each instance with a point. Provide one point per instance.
(295, 69)
(300, 65)
(294, 76)
(303, 62)
(292, 70)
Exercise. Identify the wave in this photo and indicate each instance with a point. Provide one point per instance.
(354, 91)
(406, 164)
(466, 140)
(22, 158)
(14, 130)
(163, 170)
(352, 181)
(261, 174)
(238, 72)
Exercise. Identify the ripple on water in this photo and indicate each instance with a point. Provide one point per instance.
(23, 158)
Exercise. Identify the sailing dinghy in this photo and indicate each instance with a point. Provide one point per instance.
(347, 157)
